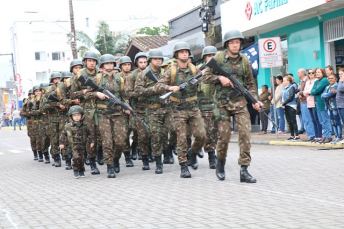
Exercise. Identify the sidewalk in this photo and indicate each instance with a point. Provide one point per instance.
(270, 139)
(11, 128)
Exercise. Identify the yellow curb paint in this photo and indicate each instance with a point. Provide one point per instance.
(288, 143)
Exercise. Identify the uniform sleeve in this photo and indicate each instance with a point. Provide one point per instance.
(250, 83)
(63, 137)
(140, 86)
(90, 136)
(64, 100)
(129, 87)
(209, 77)
(76, 92)
(162, 86)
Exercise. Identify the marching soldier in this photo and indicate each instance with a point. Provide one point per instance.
(42, 122)
(233, 104)
(155, 110)
(206, 106)
(29, 123)
(184, 107)
(78, 91)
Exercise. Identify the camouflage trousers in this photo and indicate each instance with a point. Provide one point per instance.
(210, 125)
(54, 134)
(157, 120)
(113, 129)
(89, 121)
(172, 140)
(29, 124)
(182, 120)
(62, 119)
(78, 160)
(33, 134)
(139, 133)
(43, 138)
(242, 120)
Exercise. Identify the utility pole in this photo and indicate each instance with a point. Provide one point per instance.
(206, 14)
(73, 42)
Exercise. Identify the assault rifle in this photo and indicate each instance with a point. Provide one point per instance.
(53, 98)
(150, 74)
(113, 99)
(212, 63)
(182, 86)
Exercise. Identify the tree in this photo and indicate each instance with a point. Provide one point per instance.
(104, 42)
(163, 29)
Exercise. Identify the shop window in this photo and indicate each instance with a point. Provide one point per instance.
(57, 55)
(39, 55)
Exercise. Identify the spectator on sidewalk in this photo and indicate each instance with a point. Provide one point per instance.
(289, 106)
(272, 113)
(340, 95)
(8, 119)
(311, 105)
(263, 97)
(279, 109)
(309, 127)
(329, 96)
(17, 119)
(319, 86)
(329, 70)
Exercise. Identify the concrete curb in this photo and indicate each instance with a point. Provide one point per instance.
(11, 128)
(288, 143)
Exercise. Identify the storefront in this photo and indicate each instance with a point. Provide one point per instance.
(311, 31)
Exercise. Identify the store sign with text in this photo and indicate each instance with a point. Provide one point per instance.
(260, 6)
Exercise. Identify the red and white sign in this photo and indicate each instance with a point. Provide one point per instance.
(270, 52)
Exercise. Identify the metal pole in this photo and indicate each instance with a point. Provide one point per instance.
(273, 95)
(73, 43)
(15, 86)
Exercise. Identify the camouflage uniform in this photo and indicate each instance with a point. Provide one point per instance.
(184, 111)
(33, 125)
(77, 137)
(236, 107)
(134, 105)
(24, 112)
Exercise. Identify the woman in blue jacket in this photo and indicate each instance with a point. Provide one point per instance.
(289, 106)
(330, 104)
(318, 88)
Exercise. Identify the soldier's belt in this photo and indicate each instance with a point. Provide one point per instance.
(156, 105)
(28, 118)
(141, 108)
(59, 110)
(40, 120)
(62, 113)
(174, 99)
(116, 108)
(206, 102)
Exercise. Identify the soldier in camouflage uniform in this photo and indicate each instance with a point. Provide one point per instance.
(112, 122)
(206, 106)
(76, 134)
(233, 104)
(78, 91)
(156, 111)
(140, 61)
(125, 65)
(53, 109)
(184, 106)
(29, 120)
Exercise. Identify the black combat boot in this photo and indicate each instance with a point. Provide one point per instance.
(116, 165)
(159, 165)
(145, 163)
(129, 162)
(174, 150)
(94, 169)
(192, 159)
(82, 173)
(170, 154)
(100, 155)
(220, 169)
(76, 174)
(87, 160)
(35, 155)
(184, 171)
(111, 171)
(68, 163)
(150, 157)
(46, 158)
(166, 155)
(57, 160)
(62, 156)
(245, 176)
(40, 155)
(54, 160)
(211, 159)
(201, 153)
(134, 151)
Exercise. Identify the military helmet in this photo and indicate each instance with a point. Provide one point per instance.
(165, 59)
(76, 109)
(117, 68)
(30, 92)
(191, 56)
(54, 75)
(180, 46)
(107, 58)
(232, 34)
(43, 86)
(36, 87)
(155, 53)
(74, 63)
(124, 59)
(90, 55)
(139, 55)
(208, 50)
(66, 75)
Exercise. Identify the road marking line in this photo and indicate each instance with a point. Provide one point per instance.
(7, 214)
(15, 151)
(1, 153)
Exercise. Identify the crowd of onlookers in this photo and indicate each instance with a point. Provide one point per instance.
(12, 119)
(318, 100)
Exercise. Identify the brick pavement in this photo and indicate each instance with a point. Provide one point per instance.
(298, 187)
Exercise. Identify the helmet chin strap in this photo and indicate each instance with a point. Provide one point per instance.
(126, 71)
(157, 67)
(108, 70)
(233, 53)
(183, 60)
(90, 69)
(142, 68)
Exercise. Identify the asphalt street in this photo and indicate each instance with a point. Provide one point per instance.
(298, 187)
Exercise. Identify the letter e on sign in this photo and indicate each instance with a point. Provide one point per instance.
(270, 52)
